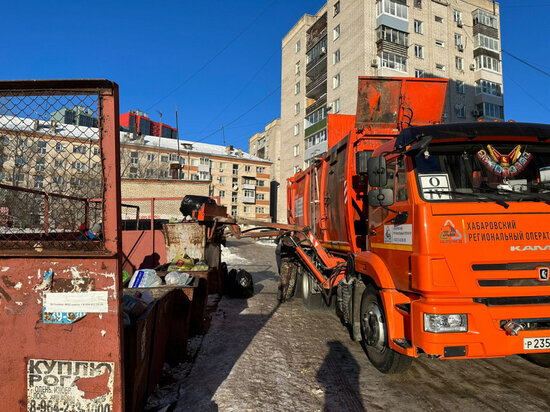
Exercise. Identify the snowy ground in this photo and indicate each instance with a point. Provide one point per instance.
(262, 356)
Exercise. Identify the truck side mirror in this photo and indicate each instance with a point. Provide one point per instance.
(377, 171)
(381, 197)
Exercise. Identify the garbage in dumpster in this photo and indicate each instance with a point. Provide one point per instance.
(200, 266)
(181, 263)
(240, 284)
(178, 278)
(145, 278)
(133, 306)
(191, 203)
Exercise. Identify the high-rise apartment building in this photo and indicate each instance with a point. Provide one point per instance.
(323, 55)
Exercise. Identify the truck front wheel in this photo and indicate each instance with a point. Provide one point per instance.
(374, 334)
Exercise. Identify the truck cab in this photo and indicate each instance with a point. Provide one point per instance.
(457, 258)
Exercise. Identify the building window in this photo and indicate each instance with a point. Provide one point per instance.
(235, 169)
(296, 129)
(419, 73)
(336, 8)
(439, 66)
(418, 51)
(460, 110)
(297, 88)
(297, 108)
(457, 15)
(20, 161)
(41, 147)
(79, 166)
(418, 27)
(204, 176)
(296, 150)
(260, 183)
(164, 159)
(459, 63)
(391, 35)
(297, 69)
(150, 157)
(40, 165)
(79, 149)
(494, 111)
(247, 168)
(150, 172)
(487, 87)
(485, 18)
(260, 196)
(393, 61)
(133, 173)
(418, 4)
(247, 209)
(298, 46)
(58, 163)
(60, 147)
(487, 63)
(222, 166)
(96, 150)
(134, 158)
(223, 179)
(234, 197)
(336, 106)
(440, 43)
(336, 81)
(316, 138)
(458, 39)
(260, 169)
(438, 19)
(336, 32)
(393, 8)
(460, 87)
(315, 117)
(486, 42)
(336, 56)
(260, 210)
(222, 193)
(249, 193)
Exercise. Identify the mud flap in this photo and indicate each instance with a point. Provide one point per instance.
(287, 280)
(359, 288)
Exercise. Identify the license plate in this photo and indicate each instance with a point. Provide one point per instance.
(536, 343)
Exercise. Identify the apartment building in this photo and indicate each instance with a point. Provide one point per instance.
(52, 157)
(323, 55)
(267, 145)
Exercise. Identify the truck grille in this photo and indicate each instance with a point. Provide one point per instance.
(511, 282)
(509, 266)
(514, 300)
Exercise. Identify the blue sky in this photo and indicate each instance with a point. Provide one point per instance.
(155, 52)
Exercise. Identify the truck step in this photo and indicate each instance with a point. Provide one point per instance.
(404, 343)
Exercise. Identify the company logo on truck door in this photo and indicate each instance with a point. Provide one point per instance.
(449, 233)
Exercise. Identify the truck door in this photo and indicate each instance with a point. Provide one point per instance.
(389, 238)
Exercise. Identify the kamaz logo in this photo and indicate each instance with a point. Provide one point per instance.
(529, 248)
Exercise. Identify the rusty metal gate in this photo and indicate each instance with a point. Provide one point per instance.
(60, 329)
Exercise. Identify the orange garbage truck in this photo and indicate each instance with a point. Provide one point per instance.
(428, 238)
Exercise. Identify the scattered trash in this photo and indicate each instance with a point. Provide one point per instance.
(200, 266)
(145, 278)
(181, 263)
(178, 278)
(240, 284)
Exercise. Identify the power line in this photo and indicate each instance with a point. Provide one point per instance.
(526, 63)
(528, 94)
(224, 48)
(240, 116)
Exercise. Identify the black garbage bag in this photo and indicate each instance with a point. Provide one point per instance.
(240, 284)
(190, 203)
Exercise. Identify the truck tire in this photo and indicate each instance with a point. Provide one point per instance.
(287, 280)
(541, 359)
(374, 334)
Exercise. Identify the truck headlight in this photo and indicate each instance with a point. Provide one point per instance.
(445, 323)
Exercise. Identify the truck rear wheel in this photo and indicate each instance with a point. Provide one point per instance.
(374, 334)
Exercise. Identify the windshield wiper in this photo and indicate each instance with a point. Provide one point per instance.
(537, 197)
(480, 197)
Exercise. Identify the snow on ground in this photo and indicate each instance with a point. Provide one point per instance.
(231, 258)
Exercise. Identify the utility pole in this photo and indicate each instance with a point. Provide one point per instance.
(178, 137)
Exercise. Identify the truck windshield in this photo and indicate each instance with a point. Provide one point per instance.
(493, 171)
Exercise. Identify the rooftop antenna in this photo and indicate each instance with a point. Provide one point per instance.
(223, 135)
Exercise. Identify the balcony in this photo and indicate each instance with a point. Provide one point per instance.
(314, 84)
(319, 102)
(249, 199)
